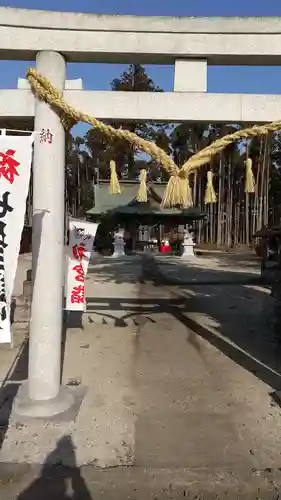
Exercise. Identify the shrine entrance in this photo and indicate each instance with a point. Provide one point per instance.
(190, 45)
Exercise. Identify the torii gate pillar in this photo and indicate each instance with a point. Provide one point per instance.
(43, 396)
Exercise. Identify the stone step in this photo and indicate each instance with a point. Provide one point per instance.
(21, 300)
(19, 334)
(20, 326)
(21, 313)
(20, 309)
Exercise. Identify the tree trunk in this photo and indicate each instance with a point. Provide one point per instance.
(219, 218)
(267, 180)
(200, 202)
(230, 217)
(256, 197)
(261, 204)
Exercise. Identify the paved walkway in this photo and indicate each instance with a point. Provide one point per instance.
(183, 395)
(108, 281)
(98, 361)
(233, 315)
(224, 267)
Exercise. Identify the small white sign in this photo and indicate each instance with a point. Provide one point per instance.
(79, 249)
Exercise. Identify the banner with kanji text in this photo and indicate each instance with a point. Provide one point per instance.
(78, 253)
(15, 167)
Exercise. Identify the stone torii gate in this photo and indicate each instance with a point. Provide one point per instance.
(52, 38)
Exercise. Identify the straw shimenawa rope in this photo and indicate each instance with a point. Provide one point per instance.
(44, 90)
(174, 193)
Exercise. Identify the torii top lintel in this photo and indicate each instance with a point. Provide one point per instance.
(122, 39)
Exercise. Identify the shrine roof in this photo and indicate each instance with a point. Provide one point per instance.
(105, 202)
(125, 204)
(146, 209)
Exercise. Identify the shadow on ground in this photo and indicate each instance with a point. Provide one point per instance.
(114, 270)
(56, 482)
(242, 319)
(249, 260)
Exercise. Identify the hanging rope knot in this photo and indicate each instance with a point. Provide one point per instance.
(249, 177)
(67, 122)
(114, 186)
(210, 195)
(142, 192)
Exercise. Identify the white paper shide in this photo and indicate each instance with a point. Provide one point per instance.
(79, 249)
(15, 166)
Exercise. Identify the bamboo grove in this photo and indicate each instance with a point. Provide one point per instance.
(236, 216)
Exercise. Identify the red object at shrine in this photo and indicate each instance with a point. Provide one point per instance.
(165, 248)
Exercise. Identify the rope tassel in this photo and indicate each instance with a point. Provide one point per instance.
(172, 195)
(114, 186)
(142, 192)
(186, 196)
(210, 195)
(249, 177)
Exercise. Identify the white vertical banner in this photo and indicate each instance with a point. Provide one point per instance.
(15, 167)
(79, 249)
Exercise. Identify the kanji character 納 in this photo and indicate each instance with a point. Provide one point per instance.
(46, 136)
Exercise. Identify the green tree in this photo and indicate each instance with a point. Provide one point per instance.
(187, 139)
(134, 79)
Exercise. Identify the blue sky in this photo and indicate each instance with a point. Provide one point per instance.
(157, 7)
(220, 79)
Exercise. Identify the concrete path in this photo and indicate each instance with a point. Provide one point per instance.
(109, 283)
(233, 315)
(98, 365)
(183, 395)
